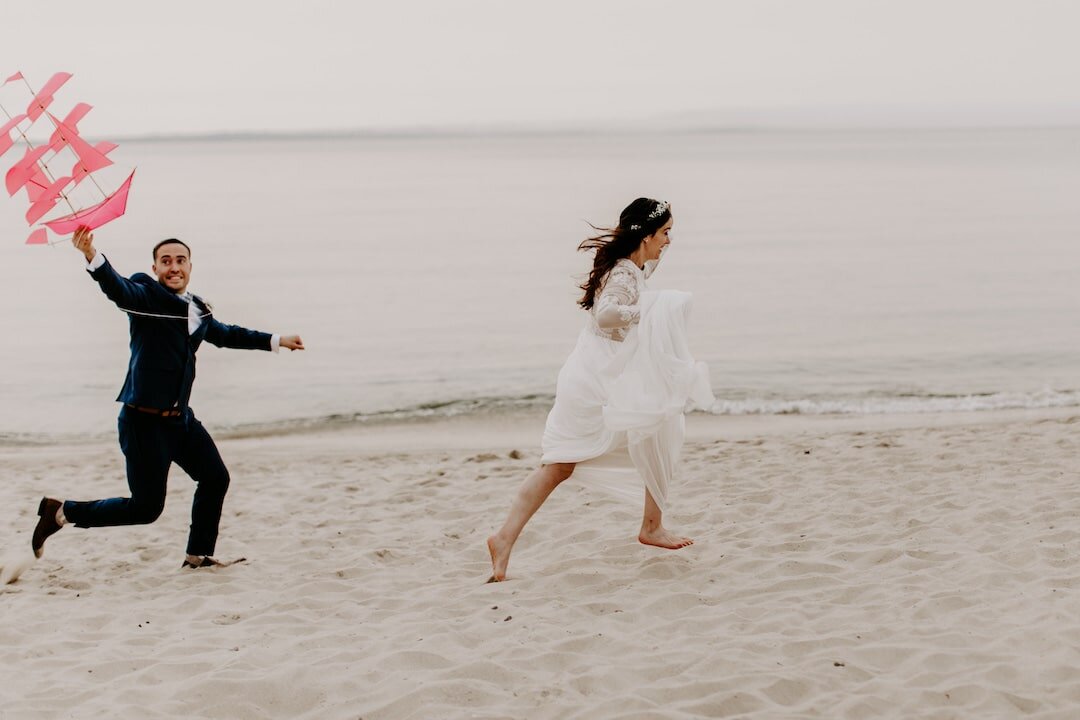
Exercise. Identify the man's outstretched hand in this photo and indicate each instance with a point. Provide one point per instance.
(292, 342)
(83, 240)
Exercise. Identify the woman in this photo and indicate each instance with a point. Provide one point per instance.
(575, 430)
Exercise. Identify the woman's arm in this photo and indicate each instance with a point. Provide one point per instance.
(617, 306)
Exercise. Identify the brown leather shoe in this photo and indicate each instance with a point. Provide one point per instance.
(46, 525)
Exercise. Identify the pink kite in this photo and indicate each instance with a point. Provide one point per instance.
(37, 185)
(44, 96)
(95, 216)
(21, 172)
(5, 133)
(57, 140)
(89, 158)
(36, 170)
(47, 200)
(79, 171)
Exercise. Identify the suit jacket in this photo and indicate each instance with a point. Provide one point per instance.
(161, 370)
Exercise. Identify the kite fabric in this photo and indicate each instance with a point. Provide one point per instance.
(46, 200)
(79, 171)
(58, 140)
(5, 133)
(44, 96)
(89, 158)
(21, 172)
(95, 216)
(37, 185)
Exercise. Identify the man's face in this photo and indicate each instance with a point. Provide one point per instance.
(173, 267)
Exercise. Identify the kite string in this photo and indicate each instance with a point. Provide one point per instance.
(200, 316)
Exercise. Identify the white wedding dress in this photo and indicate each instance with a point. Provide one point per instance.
(621, 395)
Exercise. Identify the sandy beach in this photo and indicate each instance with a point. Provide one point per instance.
(896, 566)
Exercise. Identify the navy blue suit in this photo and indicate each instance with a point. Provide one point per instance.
(160, 374)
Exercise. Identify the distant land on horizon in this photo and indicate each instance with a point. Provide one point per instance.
(755, 120)
(732, 120)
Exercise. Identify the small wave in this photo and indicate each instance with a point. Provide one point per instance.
(899, 404)
(435, 410)
(415, 413)
(865, 405)
(869, 404)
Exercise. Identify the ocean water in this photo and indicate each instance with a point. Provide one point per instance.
(832, 272)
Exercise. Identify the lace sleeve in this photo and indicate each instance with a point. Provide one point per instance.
(617, 306)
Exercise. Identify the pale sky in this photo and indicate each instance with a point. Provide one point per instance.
(240, 65)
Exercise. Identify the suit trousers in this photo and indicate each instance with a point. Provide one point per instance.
(151, 444)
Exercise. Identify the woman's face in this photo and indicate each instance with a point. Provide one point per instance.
(654, 244)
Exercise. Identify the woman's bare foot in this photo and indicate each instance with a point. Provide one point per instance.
(500, 558)
(660, 537)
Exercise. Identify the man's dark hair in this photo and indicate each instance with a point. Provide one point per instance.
(169, 241)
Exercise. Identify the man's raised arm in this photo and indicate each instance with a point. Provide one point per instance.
(117, 288)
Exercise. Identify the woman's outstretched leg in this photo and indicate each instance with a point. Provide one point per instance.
(530, 496)
(653, 531)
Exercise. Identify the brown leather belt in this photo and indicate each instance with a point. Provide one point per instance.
(174, 412)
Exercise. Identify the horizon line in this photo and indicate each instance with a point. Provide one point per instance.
(407, 133)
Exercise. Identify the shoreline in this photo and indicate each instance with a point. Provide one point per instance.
(523, 430)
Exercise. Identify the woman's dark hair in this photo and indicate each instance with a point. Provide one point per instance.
(637, 221)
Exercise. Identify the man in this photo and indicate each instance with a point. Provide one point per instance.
(157, 428)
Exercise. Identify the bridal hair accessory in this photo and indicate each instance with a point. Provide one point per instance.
(661, 208)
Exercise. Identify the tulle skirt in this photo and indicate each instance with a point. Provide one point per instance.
(619, 406)
(575, 429)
